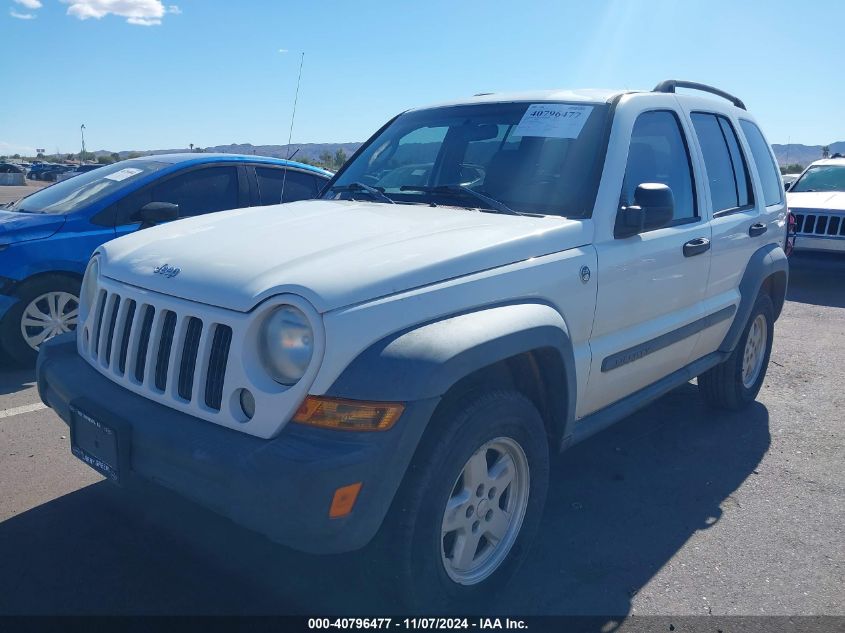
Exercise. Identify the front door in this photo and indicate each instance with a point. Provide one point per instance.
(651, 285)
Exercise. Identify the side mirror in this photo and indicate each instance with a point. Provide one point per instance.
(157, 212)
(653, 208)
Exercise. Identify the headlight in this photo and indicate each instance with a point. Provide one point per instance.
(89, 288)
(287, 344)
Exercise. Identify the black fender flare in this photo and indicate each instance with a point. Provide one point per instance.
(768, 261)
(426, 360)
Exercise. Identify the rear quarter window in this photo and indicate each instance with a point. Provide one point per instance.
(765, 163)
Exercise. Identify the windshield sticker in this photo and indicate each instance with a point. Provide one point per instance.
(554, 120)
(123, 174)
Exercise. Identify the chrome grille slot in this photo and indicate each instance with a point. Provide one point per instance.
(98, 322)
(188, 363)
(217, 361)
(165, 346)
(124, 340)
(114, 306)
(144, 343)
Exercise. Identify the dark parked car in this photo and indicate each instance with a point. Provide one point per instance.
(79, 169)
(52, 174)
(47, 238)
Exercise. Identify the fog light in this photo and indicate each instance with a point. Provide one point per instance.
(247, 403)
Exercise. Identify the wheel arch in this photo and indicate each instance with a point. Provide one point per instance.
(524, 346)
(23, 284)
(767, 271)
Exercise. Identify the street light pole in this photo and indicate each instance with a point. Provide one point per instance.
(82, 132)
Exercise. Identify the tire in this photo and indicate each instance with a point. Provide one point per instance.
(735, 383)
(49, 295)
(417, 561)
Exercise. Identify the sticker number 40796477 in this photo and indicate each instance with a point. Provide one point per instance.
(555, 120)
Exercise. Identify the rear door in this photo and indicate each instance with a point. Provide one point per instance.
(297, 184)
(736, 227)
(650, 288)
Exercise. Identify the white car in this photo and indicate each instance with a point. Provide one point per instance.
(817, 200)
(392, 364)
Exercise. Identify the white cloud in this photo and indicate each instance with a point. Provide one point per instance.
(21, 16)
(7, 149)
(29, 4)
(139, 12)
(283, 50)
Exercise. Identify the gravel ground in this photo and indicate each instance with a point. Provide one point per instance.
(676, 510)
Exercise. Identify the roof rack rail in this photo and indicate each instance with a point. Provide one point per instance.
(670, 84)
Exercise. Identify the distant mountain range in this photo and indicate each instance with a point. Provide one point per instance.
(804, 154)
(786, 154)
(311, 151)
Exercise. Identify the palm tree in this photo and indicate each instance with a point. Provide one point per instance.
(191, 145)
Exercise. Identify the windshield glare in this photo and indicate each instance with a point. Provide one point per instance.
(502, 150)
(73, 194)
(821, 178)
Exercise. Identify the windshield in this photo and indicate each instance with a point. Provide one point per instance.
(69, 195)
(531, 158)
(821, 178)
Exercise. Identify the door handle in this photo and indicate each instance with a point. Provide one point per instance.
(696, 247)
(757, 229)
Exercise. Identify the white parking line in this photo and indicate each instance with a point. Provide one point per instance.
(27, 408)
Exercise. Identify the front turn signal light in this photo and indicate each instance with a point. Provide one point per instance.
(348, 415)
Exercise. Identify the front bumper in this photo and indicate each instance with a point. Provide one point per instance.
(818, 243)
(6, 303)
(281, 487)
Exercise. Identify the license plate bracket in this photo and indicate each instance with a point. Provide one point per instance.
(97, 444)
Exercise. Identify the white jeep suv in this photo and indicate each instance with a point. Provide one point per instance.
(483, 283)
(817, 200)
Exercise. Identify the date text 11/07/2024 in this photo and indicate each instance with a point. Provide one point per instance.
(416, 623)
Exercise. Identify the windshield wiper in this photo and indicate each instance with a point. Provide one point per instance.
(494, 204)
(360, 186)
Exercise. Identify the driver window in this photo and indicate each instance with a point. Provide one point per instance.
(658, 153)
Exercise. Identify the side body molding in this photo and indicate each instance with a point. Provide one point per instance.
(426, 360)
(768, 261)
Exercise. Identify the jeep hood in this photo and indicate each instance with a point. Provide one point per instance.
(333, 253)
(22, 227)
(829, 200)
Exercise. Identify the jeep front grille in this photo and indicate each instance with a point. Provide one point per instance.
(819, 223)
(167, 352)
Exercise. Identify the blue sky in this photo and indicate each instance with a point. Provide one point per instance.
(210, 72)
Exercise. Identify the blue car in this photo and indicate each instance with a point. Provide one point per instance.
(47, 237)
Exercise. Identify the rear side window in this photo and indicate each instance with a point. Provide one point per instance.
(762, 154)
(297, 185)
(200, 191)
(727, 173)
(658, 153)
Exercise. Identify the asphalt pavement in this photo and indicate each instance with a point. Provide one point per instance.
(675, 510)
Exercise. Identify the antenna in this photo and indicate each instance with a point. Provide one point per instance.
(290, 133)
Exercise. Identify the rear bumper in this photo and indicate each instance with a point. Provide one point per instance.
(281, 487)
